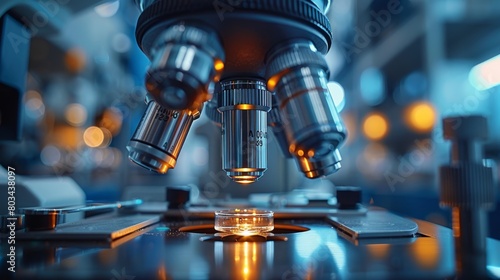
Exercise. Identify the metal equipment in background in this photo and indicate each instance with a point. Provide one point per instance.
(256, 50)
(24, 20)
(467, 187)
(12, 79)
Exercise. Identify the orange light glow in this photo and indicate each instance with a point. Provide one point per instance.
(246, 169)
(244, 179)
(107, 257)
(75, 60)
(379, 251)
(271, 84)
(420, 116)
(245, 257)
(65, 136)
(300, 153)
(162, 272)
(93, 136)
(245, 182)
(219, 65)
(426, 252)
(310, 153)
(455, 215)
(375, 126)
(112, 120)
(245, 107)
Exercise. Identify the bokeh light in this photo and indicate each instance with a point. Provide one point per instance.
(426, 252)
(486, 74)
(94, 137)
(50, 155)
(121, 43)
(372, 86)
(107, 9)
(338, 95)
(75, 60)
(112, 119)
(33, 103)
(420, 116)
(375, 126)
(75, 114)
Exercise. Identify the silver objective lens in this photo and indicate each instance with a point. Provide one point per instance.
(275, 122)
(314, 131)
(184, 60)
(312, 167)
(211, 107)
(159, 137)
(244, 106)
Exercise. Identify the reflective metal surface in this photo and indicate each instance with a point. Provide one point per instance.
(37, 218)
(211, 109)
(314, 130)
(193, 43)
(244, 106)
(159, 137)
(323, 5)
(320, 253)
(184, 60)
(468, 187)
(274, 120)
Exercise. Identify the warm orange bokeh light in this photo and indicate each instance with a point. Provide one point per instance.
(426, 252)
(379, 251)
(271, 84)
(75, 60)
(93, 137)
(420, 116)
(219, 65)
(375, 126)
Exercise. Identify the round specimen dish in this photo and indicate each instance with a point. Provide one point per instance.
(244, 221)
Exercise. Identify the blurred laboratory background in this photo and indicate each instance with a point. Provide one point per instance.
(397, 67)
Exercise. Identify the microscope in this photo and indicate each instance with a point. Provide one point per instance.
(253, 67)
(264, 61)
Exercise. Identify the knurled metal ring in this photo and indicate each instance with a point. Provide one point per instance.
(300, 10)
(293, 57)
(244, 92)
(467, 185)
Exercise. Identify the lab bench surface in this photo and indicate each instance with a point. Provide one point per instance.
(161, 251)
